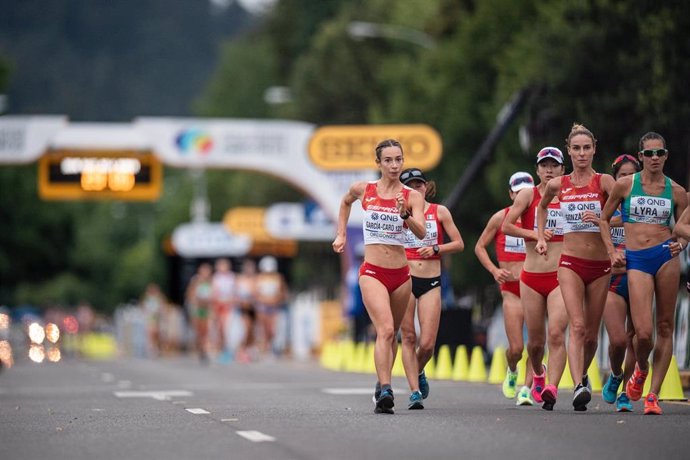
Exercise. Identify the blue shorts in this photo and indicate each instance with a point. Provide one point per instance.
(649, 260)
(619, 285)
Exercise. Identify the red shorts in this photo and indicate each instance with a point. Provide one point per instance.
(222, 308)
(588, 270)
(392, 278)
(543, 283)
(511, 286)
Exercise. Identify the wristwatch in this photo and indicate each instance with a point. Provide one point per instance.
(436, 249)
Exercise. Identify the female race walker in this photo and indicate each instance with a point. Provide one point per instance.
(617, 310)
(649, 201)
(424, 258)
(246, 301)
(199, 300)
(539, 290)
(510, 253)
(584, 269)
(384, 276)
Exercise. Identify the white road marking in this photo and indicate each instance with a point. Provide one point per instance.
(197, 411)
(229, 419)
(107, 377)
(256, 436)
(157, 395)
(354, 391)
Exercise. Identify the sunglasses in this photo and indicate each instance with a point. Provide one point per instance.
(651, 152)
(521, 180)
(625, 157)
(411, 174)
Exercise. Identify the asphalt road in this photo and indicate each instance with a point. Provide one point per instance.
(174, 408)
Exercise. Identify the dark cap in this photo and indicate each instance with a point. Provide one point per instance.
(411, 174)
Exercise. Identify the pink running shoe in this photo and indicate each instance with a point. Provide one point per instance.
(538, 384)
(549, 396)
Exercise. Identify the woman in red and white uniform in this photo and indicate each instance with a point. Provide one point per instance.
(384, 277)
(510, 253)
(539, 290)
(223, 301)
(584, 269)
(424, 258)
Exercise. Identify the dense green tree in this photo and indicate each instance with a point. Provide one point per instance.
(112, 61)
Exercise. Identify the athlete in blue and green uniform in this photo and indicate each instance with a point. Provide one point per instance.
(649, 200)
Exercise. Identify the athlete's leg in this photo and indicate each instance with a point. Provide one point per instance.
(513, 319)
(630, 358)
(409, 345)
(667, 280)
(377, 302)
(595, 301)
(573, 290)
(429, 313)
(641, 288)
(534, 307)
(615, 314)
(558, 323)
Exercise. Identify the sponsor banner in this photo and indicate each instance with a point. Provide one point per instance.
(274, 147)
(351, 147)
(23, 139)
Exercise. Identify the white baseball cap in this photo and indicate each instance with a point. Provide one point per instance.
(520, 180)
(550, 152)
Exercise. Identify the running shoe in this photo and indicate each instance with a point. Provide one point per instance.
(581, 396)
(225, 357)
(538, 384)
(416, 401)
(524, 398)
(423, 384)
(510, 384)
(635, 384)
(610, 390)
(651, 405)
(549, 396)
(623, 403)
(377, 392)
(587, 383)
(384, 403)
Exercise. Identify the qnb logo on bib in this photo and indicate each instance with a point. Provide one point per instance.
(573, 215)
(651, 210)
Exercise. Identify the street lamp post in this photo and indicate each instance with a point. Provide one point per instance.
(360, 30)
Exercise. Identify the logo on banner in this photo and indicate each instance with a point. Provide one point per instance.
(194, 141)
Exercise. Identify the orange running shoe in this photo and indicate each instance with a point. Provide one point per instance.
(651, 405)
(635, 384)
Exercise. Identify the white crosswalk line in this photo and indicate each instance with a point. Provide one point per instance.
(256, 436)
(157, 395)
(197, 411)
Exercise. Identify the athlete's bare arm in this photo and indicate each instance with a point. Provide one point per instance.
(520, 205)
(501, 275)
(355, 193)
(616, 196)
